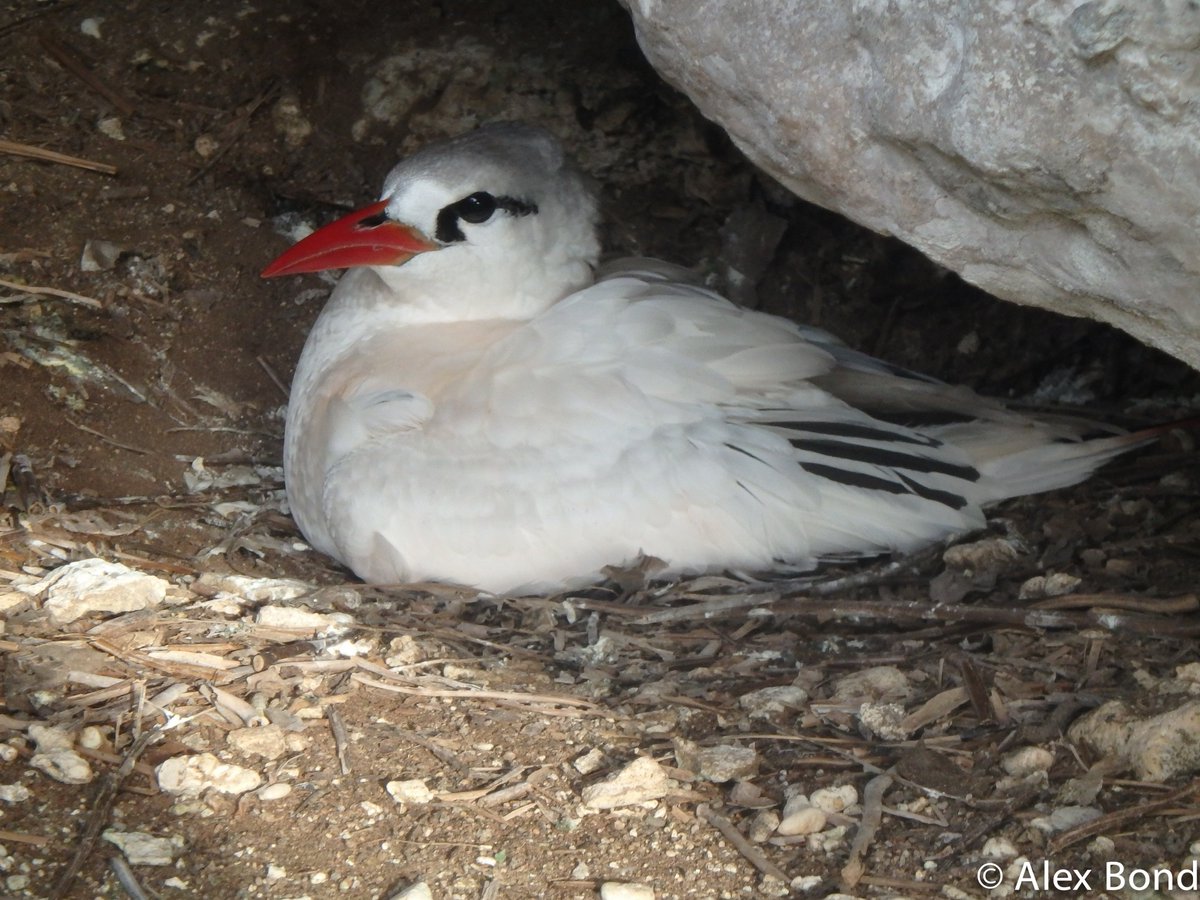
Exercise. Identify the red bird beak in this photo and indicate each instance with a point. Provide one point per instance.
(363, 238)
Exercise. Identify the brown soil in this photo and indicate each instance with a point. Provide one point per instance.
(203, 108)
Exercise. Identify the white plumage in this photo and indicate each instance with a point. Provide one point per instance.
(477, 405)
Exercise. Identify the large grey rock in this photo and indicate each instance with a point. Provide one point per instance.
(1047, 151)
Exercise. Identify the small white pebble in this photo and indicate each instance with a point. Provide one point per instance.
(619, 890)
(809, 820)
(276, 791)
(795, 803)
(418, 891)
(1027, 761)
(205, 145)
(412, 791)
(14, 793)
(91, 27)
(91, 738)
(589, 762)
(999, 848)
(834, 799)
(1065, 818)
(111, 127)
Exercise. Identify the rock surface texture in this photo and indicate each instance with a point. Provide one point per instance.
(1048, 152)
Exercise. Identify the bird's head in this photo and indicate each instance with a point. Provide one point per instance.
(496, 223)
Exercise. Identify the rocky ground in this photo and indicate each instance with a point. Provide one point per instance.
(198, 704)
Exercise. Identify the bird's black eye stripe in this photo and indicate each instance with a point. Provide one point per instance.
(372, 221)
(476, 209)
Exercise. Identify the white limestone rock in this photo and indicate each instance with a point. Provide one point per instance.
(641, 781)
(96, 585)
(190, 776)
(142, 849)
(1157, 748)
(1047, 152)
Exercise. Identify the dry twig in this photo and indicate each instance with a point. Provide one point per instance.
(28, 151)
(872, 815)
(49, 291)
(1120, 818)
(340, 742)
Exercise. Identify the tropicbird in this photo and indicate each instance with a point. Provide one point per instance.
(479, 403)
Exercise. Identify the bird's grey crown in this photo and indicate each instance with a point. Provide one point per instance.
(505, 152)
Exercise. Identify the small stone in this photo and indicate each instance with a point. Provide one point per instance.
(983, 555)
(999, 848)
(795, 802)
(1027, 761)
(190, 776)
(640, 781)
(413, 791)
(142, 849)
(91, 26)
(302, 621)
(884, 720)
(770, 886)
(275, 872)
(1065, 818)
(768, 702)
(724, 762)
(255, 590)
(14, 793)
(290, 121)
(276, 791)
(581, 872)
(266, 741)
(748, 795)
(589, 762)
(619, 890)
(968, 344)
(111, 127)
(885, 684)
(99, 256)
(1120, 567)
(206, 145)
(404, 651)
(16, 883)
(50, 737)
(66, 766)
(418, 891)
(1054, 585)
(834, 799)
(91, 738)
(809, 820)
(763, 825)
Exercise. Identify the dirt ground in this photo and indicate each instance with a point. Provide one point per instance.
(141, 419)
